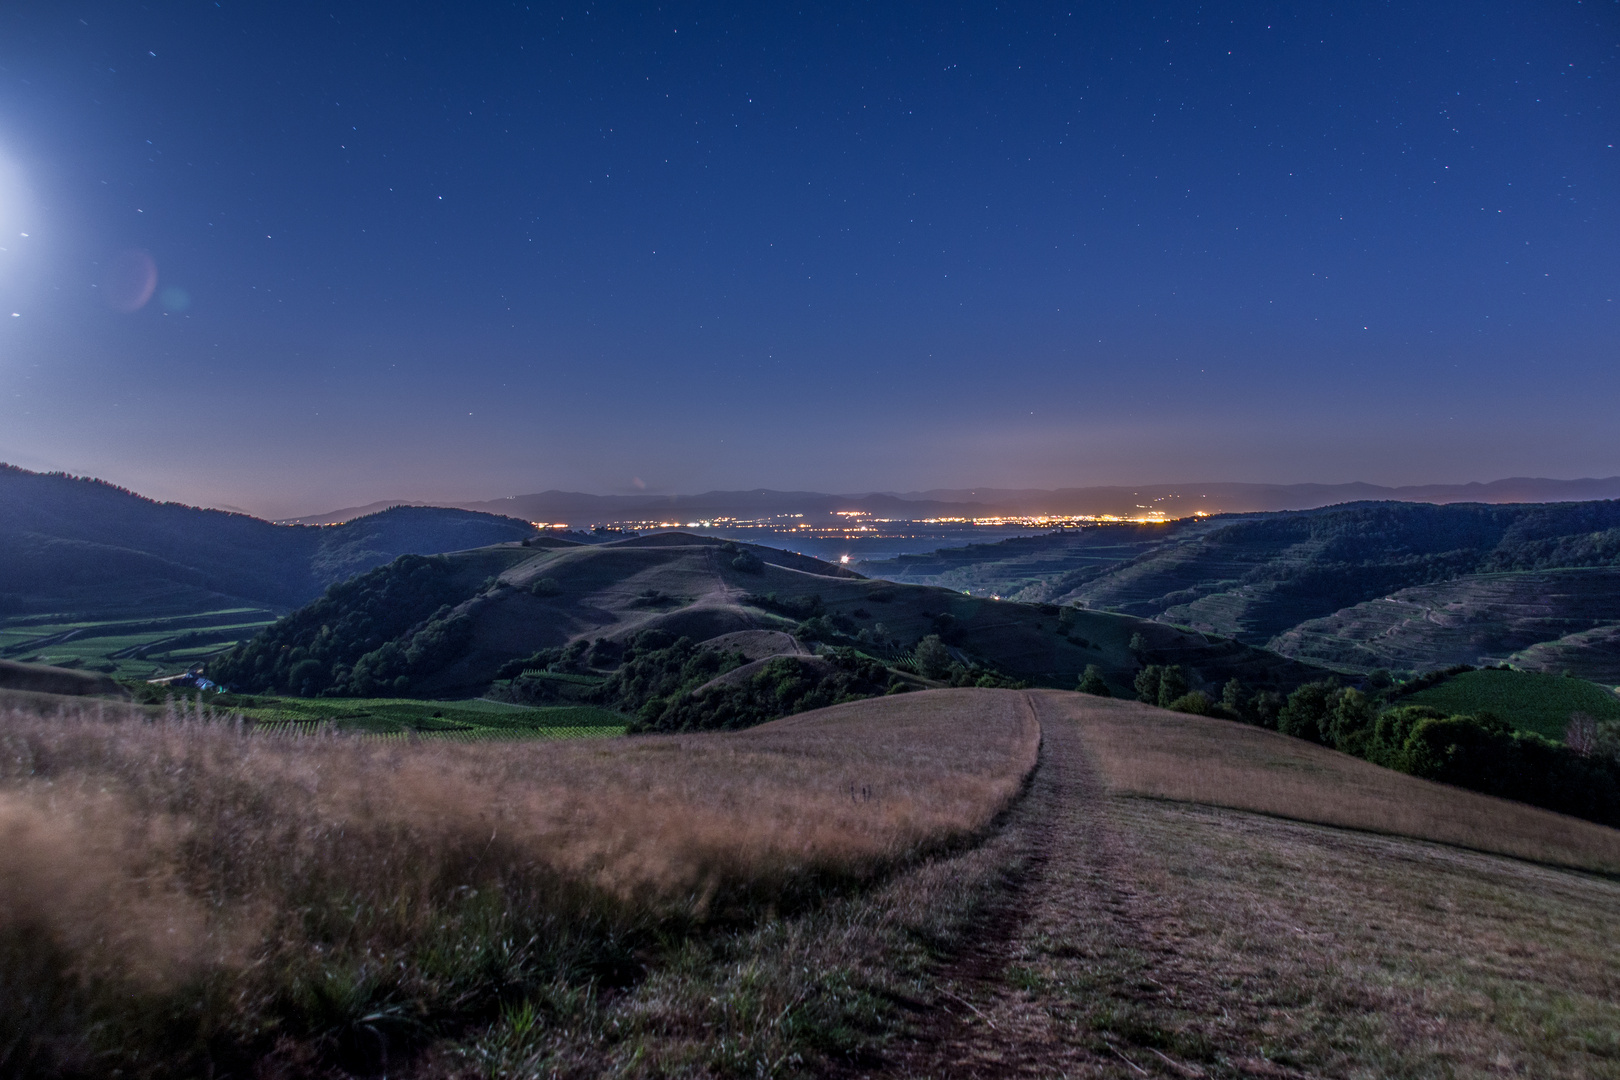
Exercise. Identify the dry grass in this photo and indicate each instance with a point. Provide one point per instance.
(180, 896)
(1147, 751)
(1354, 954)
(1163, 938)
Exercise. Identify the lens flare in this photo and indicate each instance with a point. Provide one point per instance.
(131, 280)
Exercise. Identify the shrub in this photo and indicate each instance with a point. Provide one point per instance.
(662, 671)
(820, 628)
(748, 563)
(781, 688)
(1481, 752)
(933, 657)
(1198, 703)
(546, 587)
(1092, 682)
(794, 607)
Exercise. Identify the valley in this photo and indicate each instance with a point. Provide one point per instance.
(669, 803)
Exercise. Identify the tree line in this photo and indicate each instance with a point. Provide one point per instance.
(1480, 751)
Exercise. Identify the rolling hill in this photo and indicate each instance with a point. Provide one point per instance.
(69, 544)
(967, 882)
(1326, 585)
(1538, 620)
(449, 626)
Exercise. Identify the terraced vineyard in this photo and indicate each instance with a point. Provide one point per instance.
(1519, 618)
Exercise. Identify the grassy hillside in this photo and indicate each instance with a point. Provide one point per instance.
(1314, 583)
(883, 888)
(85, 549)
(1142, 750)
(1028, 568)
(1587, 654)
(490, 608)
(318, 906)
(43, 679)
(1476, 619)
(1255, 579)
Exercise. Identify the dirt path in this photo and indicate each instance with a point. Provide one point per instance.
(1072, 950)
(1151, 937)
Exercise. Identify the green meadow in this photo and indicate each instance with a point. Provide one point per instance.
(130, 648)
(1528, 700)
(471, 720)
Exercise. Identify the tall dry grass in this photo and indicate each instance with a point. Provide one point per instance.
(1148, 751)
(183, 895)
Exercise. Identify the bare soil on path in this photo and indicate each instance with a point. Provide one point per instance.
(1142, 937)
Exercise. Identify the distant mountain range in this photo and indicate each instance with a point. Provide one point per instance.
(1173, 500)
(1388, 583)
(79, 545)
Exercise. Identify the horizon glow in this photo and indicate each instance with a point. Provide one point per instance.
(459, 255)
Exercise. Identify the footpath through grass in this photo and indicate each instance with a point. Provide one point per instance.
(1528, 700)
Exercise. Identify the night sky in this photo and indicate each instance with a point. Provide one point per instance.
(292, 257)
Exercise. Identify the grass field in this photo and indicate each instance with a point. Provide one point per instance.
(471, 719)
(1142, 750)
(463, 735)
(131, 648)
(878, 889)
(1528, 700)
(183, 898)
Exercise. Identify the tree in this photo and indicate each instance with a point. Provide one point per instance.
(1147, 684)
(933, 657)
(1306, 714)
(1138, 645)
(1264, 707)
(1092, 682)
(1172, 685)
(1232, 697)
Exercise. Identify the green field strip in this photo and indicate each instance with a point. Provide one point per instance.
(305, 729)
(563, 676)
(199, 652)
(1530, 701)
(402, 716)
